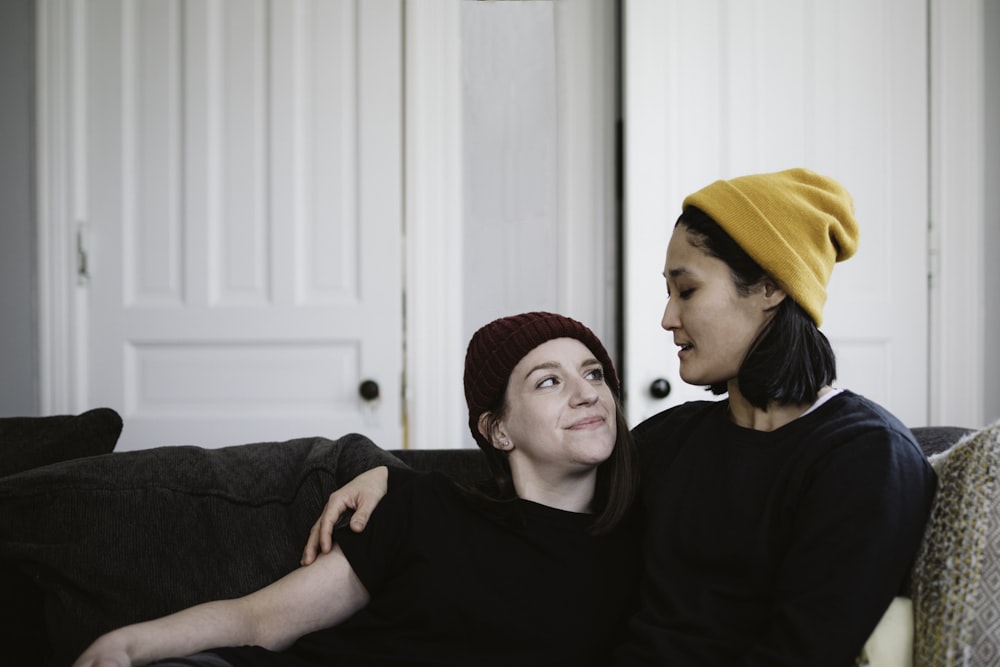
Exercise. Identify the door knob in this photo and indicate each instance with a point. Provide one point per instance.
(660, 388)
(369, 390)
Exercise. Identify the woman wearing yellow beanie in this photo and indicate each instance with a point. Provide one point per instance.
(782, 521)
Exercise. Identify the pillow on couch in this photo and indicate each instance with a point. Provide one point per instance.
(32, 442)
(956, 576)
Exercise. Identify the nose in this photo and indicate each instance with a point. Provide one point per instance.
(584, 391)
(670, 321)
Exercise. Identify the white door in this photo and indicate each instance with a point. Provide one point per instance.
(719, 89)
(243, 218)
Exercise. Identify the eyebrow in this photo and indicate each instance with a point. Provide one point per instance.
(679, 271)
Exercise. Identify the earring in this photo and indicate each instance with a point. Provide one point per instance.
(505, 444)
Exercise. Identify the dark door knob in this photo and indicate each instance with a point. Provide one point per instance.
(368, 390)
(660, 388)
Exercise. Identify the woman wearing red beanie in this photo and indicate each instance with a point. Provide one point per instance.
(782, 520)
(439, 576)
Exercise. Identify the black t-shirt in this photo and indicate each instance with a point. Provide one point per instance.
(457, 581)
(774, 548)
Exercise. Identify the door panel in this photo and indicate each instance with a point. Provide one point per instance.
(243, 186)
(719, 89)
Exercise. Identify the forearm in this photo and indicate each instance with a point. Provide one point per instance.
(305, 600)
(198, 628)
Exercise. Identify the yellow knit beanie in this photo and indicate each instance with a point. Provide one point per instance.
(794, 223)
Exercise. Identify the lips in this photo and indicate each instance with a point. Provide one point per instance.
(587, 422)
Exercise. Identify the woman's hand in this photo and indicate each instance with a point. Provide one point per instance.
(107, 651)
(361, 494)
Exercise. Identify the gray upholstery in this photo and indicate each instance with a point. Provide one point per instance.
(122, 537)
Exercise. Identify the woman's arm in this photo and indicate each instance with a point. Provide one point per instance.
(362, 494)
(859, 527)
(362, 478)
(305, 600)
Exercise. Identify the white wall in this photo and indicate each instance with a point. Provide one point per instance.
(18, 330)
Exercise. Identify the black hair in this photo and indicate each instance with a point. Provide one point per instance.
(790, 360)
(617, 477)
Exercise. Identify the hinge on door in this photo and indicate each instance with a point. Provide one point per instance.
(82, 265)
(619, 160)
(933, 257)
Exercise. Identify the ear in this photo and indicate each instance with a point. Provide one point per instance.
(496, 437)
(773, 294)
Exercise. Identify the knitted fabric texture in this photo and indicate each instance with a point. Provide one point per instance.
(956, 575)
(497, 348)
(796, 224)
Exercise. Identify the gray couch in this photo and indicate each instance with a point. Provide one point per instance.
(91, 539)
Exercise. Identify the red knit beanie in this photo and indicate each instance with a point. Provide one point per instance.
(499, 346)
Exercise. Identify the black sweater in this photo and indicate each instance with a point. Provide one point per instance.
(774, 548)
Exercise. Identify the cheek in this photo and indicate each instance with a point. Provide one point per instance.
(710, 316)
(612, 410)
(738, 332)
(528, 424)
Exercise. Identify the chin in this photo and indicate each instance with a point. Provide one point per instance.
(699, 380)
(596, 453)
(695, 380)
(605, 453)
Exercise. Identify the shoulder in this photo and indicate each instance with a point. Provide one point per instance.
(662, 437)
(865, 441)
(424, 504)
(423, 493)
(431, 485)
(849, 419)
(675, 420)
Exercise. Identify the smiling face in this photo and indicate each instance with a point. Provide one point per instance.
(559, 412)
(713, 323)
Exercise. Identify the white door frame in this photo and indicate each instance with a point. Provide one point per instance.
(61, 306)
(958, 219)
(433, 212)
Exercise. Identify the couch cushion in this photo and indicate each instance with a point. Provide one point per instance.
(956, 576)
(31, 442)
(123, 537)
(936, 439)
